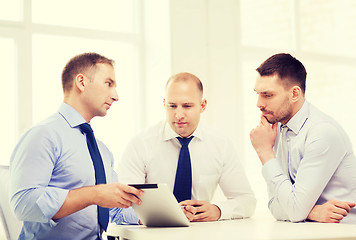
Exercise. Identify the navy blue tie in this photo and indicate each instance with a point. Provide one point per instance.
(183, 182)
(103, 213)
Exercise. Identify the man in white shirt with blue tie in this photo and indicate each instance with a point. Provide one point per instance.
(308, 161)
(152, 157)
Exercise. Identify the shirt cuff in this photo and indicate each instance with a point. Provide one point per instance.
(51, 200)
(226, 213)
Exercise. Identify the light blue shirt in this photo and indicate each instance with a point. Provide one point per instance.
(321, 164)
(49, 160)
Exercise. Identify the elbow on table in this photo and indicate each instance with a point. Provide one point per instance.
(248, 206)
(297, 213)
(292, 215)
(296, 219)
(291, 218)
(251, 210)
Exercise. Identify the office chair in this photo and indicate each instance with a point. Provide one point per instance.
(12, 226)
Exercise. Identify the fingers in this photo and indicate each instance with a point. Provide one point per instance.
(338, 210)
(188, 208)
(127, 195)
(333, 220)
(337, 216)
(117, 195)
(189, 212)
(201, 217)
(341, 205)
(264, 121)
(132, 190)
(351, 204)
(191, 202)
(274, 126)
(206, 211)
(201, 213)
(131, 199)
(194, 210)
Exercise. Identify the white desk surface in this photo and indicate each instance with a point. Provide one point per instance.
(252, 228)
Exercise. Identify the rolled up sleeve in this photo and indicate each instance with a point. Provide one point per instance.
(31, 167)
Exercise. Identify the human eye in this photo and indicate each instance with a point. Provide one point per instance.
(187, 105)
(172, 105)
(267, 95)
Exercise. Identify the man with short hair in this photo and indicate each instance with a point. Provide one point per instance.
(308, 161)
(156, 156)
(62, 179)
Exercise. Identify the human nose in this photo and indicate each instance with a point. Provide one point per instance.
(260, 102)
(179, 113)
(115, 96)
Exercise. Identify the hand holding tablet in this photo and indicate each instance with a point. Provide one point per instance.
(159, 207)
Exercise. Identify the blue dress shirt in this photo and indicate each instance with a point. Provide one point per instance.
(322, 166)
(49, 160)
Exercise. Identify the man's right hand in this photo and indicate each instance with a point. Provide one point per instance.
(333, 211)
(262, 139)
(109, 195)
(113, 195)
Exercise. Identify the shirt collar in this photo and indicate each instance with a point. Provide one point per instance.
(298, 120)
(71, 115)
(169, 133)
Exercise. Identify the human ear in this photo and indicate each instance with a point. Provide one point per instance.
(296, 93)
(203, 104)
(79, 82)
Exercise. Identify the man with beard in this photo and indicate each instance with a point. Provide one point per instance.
(307, 158)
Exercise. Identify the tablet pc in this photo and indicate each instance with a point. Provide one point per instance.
(159, 207)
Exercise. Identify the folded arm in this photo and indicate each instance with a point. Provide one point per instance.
(320, 160)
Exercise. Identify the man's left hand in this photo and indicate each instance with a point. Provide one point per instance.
(201, 211)
(333, 211)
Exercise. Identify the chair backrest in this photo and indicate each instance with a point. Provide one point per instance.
(11, 224)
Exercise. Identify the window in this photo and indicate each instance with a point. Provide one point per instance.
(262, 18)
(7, 98)
(12, 11)
(38, 37)
(105, 15)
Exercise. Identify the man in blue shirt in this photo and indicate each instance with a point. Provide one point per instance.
(52, 175)
(308, 161)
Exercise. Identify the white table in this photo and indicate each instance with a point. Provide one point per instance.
(256, 229)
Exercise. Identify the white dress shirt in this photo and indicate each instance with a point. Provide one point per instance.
(321, 164)
(152, 157)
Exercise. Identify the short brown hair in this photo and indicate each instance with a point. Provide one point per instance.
(82, 63)
(289, 69)
(185, 76)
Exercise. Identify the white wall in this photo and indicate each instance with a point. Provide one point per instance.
(205, 43)
(205, 38)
